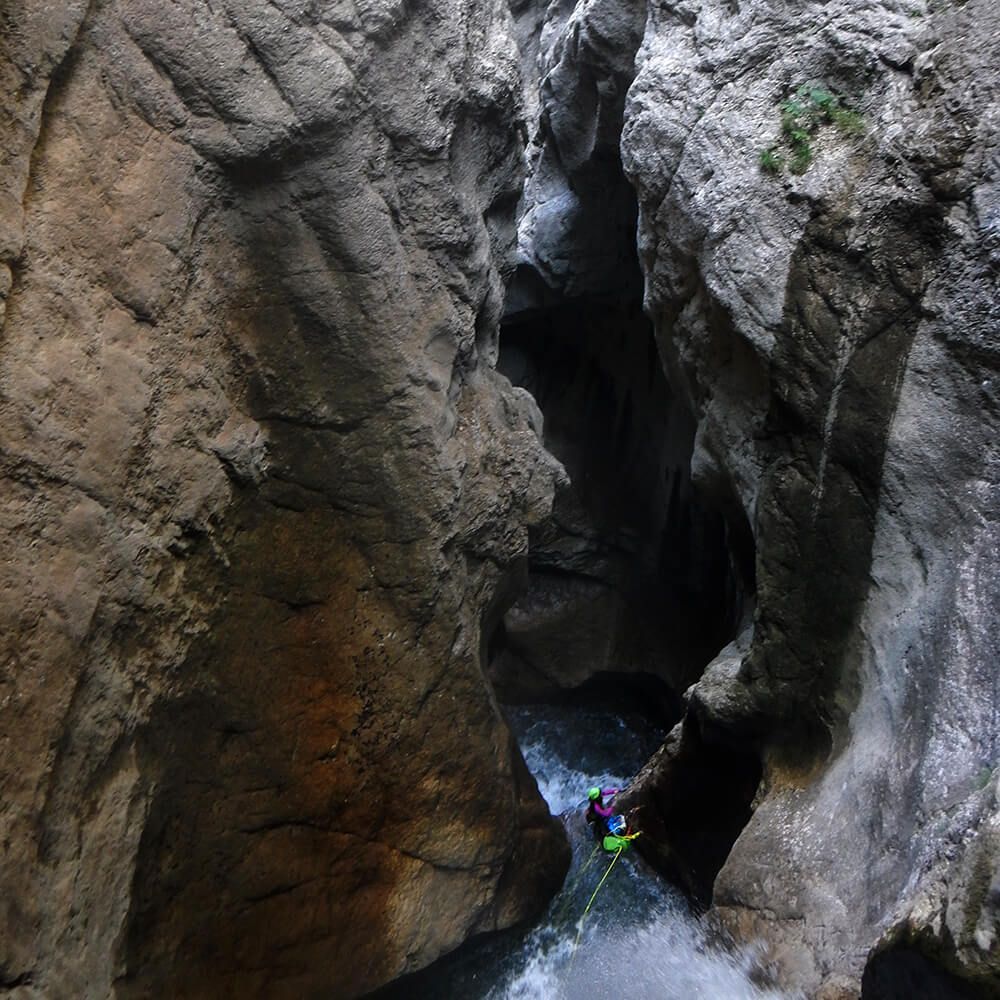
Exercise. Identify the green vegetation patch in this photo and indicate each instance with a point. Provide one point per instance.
(984, 776)
(802, 116)
(771, 161)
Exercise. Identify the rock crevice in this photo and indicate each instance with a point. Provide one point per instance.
(632, 574)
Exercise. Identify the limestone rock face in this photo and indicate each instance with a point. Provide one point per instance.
(264, 496)
(577, 224)
(834, 333)
(631, 574)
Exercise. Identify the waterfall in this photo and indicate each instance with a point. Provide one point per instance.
(641, 940)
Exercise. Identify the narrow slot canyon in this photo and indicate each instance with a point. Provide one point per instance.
(639, 578)
(634, 584)
(632, 573)
(500, 500)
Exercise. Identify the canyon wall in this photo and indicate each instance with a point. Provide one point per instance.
(267, 500)
(264, 496)
(818, 213)
(830, 317)
(632, 574)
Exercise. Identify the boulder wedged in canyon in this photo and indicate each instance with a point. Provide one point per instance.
(264, 496)
(819, 199)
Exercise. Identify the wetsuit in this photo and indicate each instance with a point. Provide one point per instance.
(598, 811)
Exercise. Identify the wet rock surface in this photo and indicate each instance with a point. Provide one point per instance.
(266, 500)
(264, 495)
(832, 331)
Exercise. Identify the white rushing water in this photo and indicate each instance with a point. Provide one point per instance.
(640, 940)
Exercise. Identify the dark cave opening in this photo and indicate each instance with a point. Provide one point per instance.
(633, 573)
(696, 806)
(636, 582)
(905, 972)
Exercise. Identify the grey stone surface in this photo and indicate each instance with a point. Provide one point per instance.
(577, 218)
(630, 575)
(263, 496)
(835, 335)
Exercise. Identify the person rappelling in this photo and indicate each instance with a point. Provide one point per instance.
(611, 829)
(601, 808)
(615, 835)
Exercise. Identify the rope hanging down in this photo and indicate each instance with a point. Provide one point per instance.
(576, 944)
(567, 894)
(624, 843)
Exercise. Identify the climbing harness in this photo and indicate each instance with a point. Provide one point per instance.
(613, 842)
(617, 825)
(617, 835)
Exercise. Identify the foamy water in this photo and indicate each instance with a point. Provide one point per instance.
(660, 953)
(640, 940)
(542, 736)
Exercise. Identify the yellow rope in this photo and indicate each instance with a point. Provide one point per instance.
(567, 900)
(590, 860)
(618, 854)
(599, 884)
